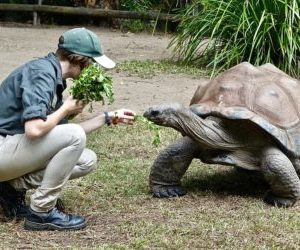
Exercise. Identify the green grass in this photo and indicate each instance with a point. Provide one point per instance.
(223, 210)
(150, 68)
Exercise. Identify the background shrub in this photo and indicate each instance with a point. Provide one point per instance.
(134, 25)
(221, 34)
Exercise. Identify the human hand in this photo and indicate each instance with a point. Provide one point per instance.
(125, 116)
(73, 106)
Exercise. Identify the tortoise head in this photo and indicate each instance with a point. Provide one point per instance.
(164, 114)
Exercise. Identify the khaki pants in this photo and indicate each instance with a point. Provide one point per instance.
(46, 163)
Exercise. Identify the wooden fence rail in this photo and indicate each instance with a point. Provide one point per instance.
(80, 11)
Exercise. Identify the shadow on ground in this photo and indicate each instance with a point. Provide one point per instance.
(226, 181)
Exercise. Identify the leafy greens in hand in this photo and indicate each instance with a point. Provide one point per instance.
(93, 84)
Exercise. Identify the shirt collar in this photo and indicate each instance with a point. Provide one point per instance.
(55, 61)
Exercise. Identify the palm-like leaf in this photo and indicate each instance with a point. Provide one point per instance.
(224, 33)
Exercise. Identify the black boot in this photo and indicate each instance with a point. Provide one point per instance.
(53, 220)
(12, 202)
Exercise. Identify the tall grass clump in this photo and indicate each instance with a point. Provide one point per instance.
(223, 33)
(143, 6)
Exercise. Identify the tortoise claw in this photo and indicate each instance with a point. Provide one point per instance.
(277, 201)
(168, 191)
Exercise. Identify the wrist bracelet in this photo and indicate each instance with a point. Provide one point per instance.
(107, 119)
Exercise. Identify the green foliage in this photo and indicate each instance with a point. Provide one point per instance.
(150, 68)
(221, 34)
(136, 26)
(93, 84)
(167, 6)
(152, 127)
(141, 5)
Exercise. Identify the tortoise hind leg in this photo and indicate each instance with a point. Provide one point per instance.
(169, 167)
(282, 177)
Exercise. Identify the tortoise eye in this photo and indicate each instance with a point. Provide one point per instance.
(154, 112)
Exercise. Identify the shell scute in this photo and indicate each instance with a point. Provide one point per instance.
(265, 95)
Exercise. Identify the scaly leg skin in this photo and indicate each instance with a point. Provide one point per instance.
(282, 178)
(170, 166)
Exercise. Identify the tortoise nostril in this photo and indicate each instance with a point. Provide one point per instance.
(154, 112)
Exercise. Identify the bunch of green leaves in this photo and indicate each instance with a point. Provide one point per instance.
(145, 5)
(155, 129)
(140, 6)
(93, 84)
(221, 34)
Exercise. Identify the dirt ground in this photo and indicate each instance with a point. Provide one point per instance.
(20, 44)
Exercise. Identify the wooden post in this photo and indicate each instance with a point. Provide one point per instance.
(36, 17)
(152, 15)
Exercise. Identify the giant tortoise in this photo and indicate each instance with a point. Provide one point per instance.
(247, 117)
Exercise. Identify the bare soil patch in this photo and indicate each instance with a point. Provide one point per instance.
(20, 44)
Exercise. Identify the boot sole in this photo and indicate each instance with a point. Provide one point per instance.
(34, 226)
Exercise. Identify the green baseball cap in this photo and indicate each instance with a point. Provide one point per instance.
(84, 42)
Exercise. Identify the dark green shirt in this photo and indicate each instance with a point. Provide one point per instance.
(34, 90)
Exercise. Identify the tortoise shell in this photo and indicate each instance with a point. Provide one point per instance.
(265, 95)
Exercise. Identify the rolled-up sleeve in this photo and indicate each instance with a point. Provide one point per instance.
(37, 94)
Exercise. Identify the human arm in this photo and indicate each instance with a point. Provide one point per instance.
(124, 116)
(35, 128)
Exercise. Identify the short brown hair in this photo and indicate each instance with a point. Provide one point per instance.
(82, 61)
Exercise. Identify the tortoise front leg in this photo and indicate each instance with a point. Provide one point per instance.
(282, 177)
(169, 167)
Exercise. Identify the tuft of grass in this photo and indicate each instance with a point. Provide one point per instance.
(126, 158)
(150, 68)
(221, 34)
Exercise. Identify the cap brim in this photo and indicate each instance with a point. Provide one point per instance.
(105, 61)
